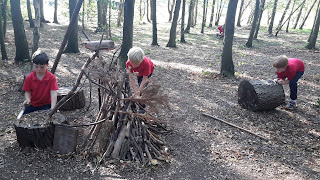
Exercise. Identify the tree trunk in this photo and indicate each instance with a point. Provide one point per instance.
(173, 30)
(254, 24)
(142, 11)
(195, 15)
(294, 3)
(170, 8)
(305, 18)
(299, 14)
(4, 17)
(77, 101)
(212, 12)
(182, 40)
(36, 33)
(260, 17)
(20, 39)
(120, 14)
(73, 22)
(31, 22)
(314, 34)
(250, 18)
(203, 16)
(257, 95)
(283, 15)
(41, 12)
(240, 14)
(73, 45)
(272, 16)
(148, 19)
(154, 23)
(227, 67)
(314, 23)
(55, 16)
(191, 7)
(3, 47)
(127, 32)
(218, 13)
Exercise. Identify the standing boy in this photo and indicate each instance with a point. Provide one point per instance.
(289, 71)
(40, 86)
(139, 63)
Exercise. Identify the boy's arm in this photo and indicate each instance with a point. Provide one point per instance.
(53, 95)
(27, 95)
(282, 82)
(143, 83)
(132, 81)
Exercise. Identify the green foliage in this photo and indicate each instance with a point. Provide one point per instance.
(147, 51)
(318, 103)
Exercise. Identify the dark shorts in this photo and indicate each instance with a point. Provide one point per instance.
(30, 108)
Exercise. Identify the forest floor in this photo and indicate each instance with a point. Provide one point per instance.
(200, 147)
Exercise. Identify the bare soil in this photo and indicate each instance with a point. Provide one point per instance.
(200, 147)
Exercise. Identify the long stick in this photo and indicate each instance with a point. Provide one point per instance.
(233, 125)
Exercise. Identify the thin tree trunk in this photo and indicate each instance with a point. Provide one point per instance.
(212, 12)
(191, 6)
(314, 34)
(261, 9)
(3, 47)
(148, 11)
(173, 30)
(299, 14)
(55, 16)
(314, 22)
(41, 12)
(254, 24)
(4, 17)
(250, 18)
(73, 43)
(227, 67)
(218, 13)
(170, 8)
(284, 14)
(240, 13)
(120, 14)
(305, 18)
(127, 32)
(294, 3)
(195, 16)
(272, 16)
(203, 17)
(154, 23)
(31, 22)
(142, 11)
(36, 33)
(182, 40)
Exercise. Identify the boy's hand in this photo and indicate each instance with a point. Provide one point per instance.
(281, 81)
(27, 102)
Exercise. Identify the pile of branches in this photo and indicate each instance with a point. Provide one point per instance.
(119, 131)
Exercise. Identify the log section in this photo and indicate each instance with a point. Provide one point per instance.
(75, 102)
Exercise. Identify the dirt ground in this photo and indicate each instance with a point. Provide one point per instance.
(200, 147)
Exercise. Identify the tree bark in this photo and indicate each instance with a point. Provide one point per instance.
(195, 15)
(72, 23)
(272, 16)
(203, 16)
(314, 34)
(3, 47)
(120, 14)
(55, 15)
(31, 22)
(154, 23)
(240, 14)
(182, 40)
(254, 24)
(127, 32)
(299, 14)
(257, 95)
(41, 12)
(306, 17)
(283, 15)
(36, 33)
(294, 3)
(261, 9)
(218, 13)
(173, 30)
(227, 67)
(20, 39)
(191, 7)
(212, 12)
(170, 8)
(4, 17)
(73, 45)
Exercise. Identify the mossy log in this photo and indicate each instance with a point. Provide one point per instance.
(77, 101)
(257, 95)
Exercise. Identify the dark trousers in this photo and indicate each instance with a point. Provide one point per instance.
(139, 82)
(30, 108)
(294, 85)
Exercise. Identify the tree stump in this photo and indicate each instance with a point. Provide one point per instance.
(257, 95)
(77, 101)
(35, 130)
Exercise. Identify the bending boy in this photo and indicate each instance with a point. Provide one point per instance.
(40, 86)
(289, 71)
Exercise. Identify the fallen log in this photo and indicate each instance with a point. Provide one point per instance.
(257, 95)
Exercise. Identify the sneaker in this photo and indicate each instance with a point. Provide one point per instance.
(291, 105)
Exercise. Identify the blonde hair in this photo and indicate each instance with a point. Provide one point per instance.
(136, 55)
(280, 61)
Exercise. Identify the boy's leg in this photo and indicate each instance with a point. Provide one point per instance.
(294, 86)
(30, 108)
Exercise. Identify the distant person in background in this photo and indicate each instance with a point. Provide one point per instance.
(220, 34)
(289, 71)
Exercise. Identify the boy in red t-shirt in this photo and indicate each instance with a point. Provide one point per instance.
(143, 66)
(40, 86)
(289, 71)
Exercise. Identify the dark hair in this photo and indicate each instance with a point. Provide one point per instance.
(40, 57)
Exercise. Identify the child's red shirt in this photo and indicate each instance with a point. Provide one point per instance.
(294, 65)
(40, 89)
(145, 68)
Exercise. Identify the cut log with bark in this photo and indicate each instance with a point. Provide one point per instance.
(104, 45)
(257, 95)
(36, 130)
(76, 101)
